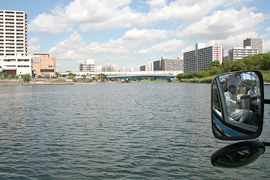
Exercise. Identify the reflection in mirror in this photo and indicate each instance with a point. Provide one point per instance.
(237, 105)
(238, 155)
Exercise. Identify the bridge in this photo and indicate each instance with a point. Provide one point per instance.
(139, 76)
(128, 74)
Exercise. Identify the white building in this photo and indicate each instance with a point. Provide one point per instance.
(201, 57)
(13, 33)
(239, 52)
(88, 66)
(16, 65)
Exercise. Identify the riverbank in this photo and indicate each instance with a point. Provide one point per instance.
(33, 82)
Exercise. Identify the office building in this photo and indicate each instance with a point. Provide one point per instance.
(15, 65)
(201, 57)
(13, 33)
(254, 44)
(44, 65)
(88, 66)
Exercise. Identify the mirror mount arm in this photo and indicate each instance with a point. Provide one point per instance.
(266, 143)
(266, 101)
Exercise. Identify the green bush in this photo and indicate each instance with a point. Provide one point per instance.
(16, 77)
(26, 77)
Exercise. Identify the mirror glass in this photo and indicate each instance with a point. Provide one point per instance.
(237, 108)
(235, 156)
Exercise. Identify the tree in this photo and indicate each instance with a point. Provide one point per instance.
(9, 76)
(2, 76)
(215, 64)
(239, 66)
(227, 66)
(265, 65)
(16, 77)
(71, 76)
(26, 77)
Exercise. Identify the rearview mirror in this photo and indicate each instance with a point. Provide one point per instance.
(238, 154)
(237, 105)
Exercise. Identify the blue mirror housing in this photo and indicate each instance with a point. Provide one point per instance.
(237, 105)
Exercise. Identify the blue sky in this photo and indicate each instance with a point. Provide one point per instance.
(131, 33)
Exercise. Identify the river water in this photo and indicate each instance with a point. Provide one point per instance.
(139, 130)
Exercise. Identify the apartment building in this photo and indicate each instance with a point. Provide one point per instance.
(44, 65)
(201, 57)
(15, 65)
(239, 52)
(13, 33)
(88, 66)
(166, 64)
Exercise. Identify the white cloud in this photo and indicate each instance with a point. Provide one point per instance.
(189, 48)
(50, 24)
(222, 24)
(168, 47)
(32, 47)
(33, 40)
(76, 48)
(157, 4)
(116, 14)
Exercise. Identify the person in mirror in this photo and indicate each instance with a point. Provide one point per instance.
(241, 115)
(254, 98)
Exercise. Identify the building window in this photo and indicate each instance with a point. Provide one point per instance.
(47, 70)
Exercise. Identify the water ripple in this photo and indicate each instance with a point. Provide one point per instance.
(112, 131)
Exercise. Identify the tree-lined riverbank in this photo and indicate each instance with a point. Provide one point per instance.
(260, 62)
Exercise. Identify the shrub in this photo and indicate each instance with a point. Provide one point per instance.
(16, 77)
(26, 77)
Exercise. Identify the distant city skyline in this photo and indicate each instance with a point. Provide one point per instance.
(133, 33)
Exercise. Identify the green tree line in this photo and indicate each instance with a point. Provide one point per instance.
(260, 62)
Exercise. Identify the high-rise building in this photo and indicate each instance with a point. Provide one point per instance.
(44, 65)
(201, 57)
(88, 66)
(254, 43)
(13, 33)
(166, 64)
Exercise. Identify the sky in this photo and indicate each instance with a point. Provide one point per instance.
(131, 33)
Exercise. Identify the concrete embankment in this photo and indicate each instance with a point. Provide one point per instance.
(14, 83)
